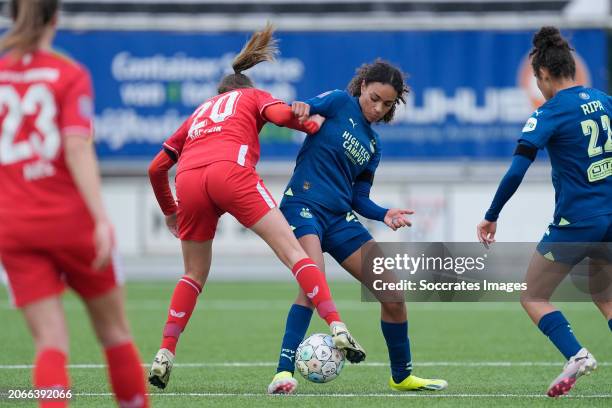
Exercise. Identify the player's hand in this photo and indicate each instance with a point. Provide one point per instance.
(314, 123)
(300, 110)
(171, 224)
(104, 242)
(395, 218)
(486, 232)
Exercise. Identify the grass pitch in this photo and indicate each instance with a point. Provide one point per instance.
(490, 353)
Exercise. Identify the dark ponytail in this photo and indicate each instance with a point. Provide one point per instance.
(553, 52)
(260, 47)
(31, 18)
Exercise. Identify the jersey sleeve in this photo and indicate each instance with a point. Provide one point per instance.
(328, 103)
(263, 100)
(539, 128)
(76, 107)
(174, 144)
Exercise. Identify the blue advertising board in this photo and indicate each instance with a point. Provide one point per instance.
(471, 93)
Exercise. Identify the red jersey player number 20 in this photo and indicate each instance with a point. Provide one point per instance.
(224, 128)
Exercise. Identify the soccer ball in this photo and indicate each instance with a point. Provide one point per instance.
(318, 360)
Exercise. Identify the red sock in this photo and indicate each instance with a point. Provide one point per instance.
(126, 376)
(313, 283)
(182, 304)
(50, 373)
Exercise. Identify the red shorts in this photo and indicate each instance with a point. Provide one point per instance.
(206, 193)
(35, 273)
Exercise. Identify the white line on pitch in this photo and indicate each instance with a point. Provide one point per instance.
(369, 364)
(371, 395)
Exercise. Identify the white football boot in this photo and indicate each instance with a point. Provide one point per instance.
(583, 363)
(344, 341)
(159, 375)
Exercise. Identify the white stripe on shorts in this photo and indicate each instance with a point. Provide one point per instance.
(265, 195)
(118, 268)
(242, 154)
(7, 283)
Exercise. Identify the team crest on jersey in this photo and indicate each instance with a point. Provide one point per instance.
(306, 185)
(584, 95)
(85, 106)
(305, 213)
(530, 125)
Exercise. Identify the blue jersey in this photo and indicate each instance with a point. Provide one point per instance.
(574, 127)
(329, 161)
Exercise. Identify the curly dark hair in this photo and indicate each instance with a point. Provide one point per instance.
(553, 52)
(385, 73)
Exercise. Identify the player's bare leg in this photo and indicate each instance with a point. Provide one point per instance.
(197, 257)
(47, 324)
(393, 316)
(46, 321)
(600, 283)
(107, 315)
(274, 229)
(543, 277)
(283, 381)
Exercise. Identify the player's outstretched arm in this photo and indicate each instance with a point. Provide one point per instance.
(364, 206)
(282, 115)
(521, 161)
(158, 175)
(83, 166)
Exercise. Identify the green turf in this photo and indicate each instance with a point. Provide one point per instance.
(243, 323)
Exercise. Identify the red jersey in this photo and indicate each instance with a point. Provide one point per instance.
(44, 97)
(224, 128)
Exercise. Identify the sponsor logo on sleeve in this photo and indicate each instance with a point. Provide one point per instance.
(530, 125)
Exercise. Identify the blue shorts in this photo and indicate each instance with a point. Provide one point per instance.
(340, 234)
(570, 243)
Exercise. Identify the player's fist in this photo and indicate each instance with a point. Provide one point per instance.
(314, 123)
(395, 218)
(104, 242)
(171, 224)
(486, 232)
(300, 110)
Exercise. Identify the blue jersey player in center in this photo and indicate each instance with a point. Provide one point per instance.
(574, 126)
(332, 178)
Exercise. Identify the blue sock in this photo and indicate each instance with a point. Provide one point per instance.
(298, 321)
(398, 344)
(558, 330)
(610, 324)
